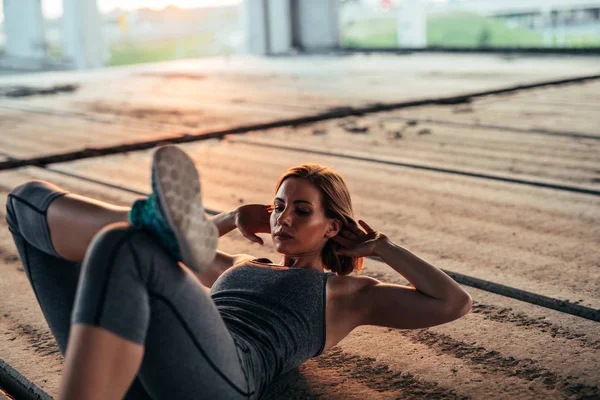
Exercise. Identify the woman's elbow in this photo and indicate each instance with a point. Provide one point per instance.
(458, 308)
(463, 307)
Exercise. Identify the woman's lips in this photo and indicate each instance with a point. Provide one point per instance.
(283, 236)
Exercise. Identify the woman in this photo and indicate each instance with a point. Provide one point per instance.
(140, 325)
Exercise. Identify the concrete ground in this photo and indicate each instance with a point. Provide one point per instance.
(503, 188)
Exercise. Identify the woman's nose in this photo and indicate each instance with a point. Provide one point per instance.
(284, 218)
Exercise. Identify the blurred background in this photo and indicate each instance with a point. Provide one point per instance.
(44, 34)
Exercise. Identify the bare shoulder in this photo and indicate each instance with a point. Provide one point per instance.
(367, 301)
(243, 258)
(224, 261)
(348, 285)
(343, 312)
(221, 263)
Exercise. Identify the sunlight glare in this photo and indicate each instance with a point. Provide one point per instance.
(53, 8)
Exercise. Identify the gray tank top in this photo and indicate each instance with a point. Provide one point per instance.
(277, 314)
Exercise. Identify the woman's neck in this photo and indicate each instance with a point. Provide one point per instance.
(305, 262)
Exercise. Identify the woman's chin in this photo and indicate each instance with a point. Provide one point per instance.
(284, 247)
(281, 247)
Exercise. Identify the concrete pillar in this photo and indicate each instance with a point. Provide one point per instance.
(561, 28)
(279, 26)
(84, 43)
(548, 28)
(255, 27)
(316, 24)
(412, 24)
(24, 29)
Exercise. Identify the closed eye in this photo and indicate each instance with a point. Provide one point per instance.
(301, 212)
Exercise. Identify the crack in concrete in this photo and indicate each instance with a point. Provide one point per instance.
(378, 376)
(42, 343)
(526, 369)
(504, 315)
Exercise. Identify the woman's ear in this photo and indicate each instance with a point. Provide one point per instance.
(334, 228)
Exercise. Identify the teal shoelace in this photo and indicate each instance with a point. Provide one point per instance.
(148, 214)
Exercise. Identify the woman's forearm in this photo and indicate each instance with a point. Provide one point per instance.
(423, 276)
(225, 222)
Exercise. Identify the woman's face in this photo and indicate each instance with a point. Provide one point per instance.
(299, 226)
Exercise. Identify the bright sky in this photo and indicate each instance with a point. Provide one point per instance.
(53, 8)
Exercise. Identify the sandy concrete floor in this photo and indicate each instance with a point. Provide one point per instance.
(533, 238)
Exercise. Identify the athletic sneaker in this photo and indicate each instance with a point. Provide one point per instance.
(147, 214)
(174, 210)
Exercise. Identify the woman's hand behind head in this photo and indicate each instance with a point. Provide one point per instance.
(358, 243)
(251, 219)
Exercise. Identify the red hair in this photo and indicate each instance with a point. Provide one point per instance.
(337, 204)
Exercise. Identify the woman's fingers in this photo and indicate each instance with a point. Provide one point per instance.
(344, 252)
(347, 234)
(353, 229)
(357, 231)
(251, 236)
(353, 252)
(343, 241)
(365, 226)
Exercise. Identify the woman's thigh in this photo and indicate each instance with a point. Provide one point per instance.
(53, 279)
(132, 287)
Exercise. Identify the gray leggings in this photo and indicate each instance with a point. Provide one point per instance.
(131, 287)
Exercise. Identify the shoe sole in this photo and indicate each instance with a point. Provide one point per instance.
(180, 195)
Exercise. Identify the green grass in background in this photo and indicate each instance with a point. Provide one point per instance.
(379, 32)
(454, 30)
(136, 52)
(449, 30)
(471, 30)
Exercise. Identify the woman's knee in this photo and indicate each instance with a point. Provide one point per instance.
(20, 198)
(120, 243)
(112, 290)
(111, 240)
(26, 208)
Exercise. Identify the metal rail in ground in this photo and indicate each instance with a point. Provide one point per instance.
(19, 387)
(567, 188)
(547, 132)
(335, 113)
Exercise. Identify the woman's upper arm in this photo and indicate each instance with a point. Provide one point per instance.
(404, 307)
(222, 262)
